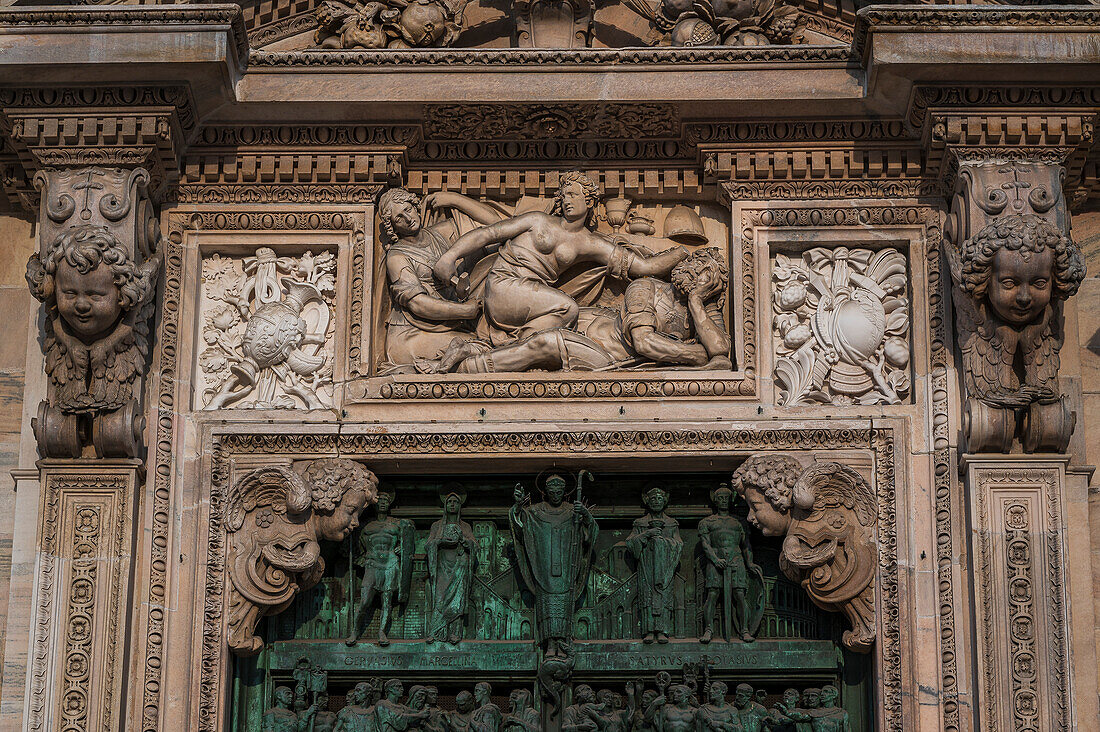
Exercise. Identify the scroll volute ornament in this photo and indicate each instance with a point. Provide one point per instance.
(95, 272)
(1013, 264)
(826, 514)
(274, 520)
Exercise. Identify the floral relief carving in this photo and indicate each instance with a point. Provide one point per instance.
(841, 327)
(267, 326)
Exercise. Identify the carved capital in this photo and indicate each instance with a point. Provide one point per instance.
(1013, 264)
(274, 518)
(125, 127)
(95, 272)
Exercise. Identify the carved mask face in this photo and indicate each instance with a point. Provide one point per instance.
(481, 694)
(555, 492)
(453, 504)
(464, 700)
(418, 699)
(741, 697)
(790, 697)
(432, 694)
(1019, 289)
(574, 206)
(722, 500)
(344, 519)
(716, 694)
(89, 303)
(811, 698)
(764, 516)
(284, 696)
(584, 694)
(828, 696)
(404, 218)
(385, 500)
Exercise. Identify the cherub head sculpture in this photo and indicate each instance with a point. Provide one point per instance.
(1018, 265)
(274, 519)
(767, 484)
(90, 278)
(98, 301)
(576, 198)
(826, 514)
(398, 214)
(702, 270)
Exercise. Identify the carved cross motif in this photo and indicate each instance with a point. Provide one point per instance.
(88, 185)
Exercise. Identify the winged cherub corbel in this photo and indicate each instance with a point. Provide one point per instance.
(1010, 281)
(98, 304)
(826, 514)
(274, 519)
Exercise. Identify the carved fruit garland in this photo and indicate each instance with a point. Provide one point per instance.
(841, 327)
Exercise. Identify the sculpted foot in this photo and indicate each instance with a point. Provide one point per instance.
(662, 638)
(383, 640)
(747, 637)
(351, 640)
(649, 638)
(707, 635)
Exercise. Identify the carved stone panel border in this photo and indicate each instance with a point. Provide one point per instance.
(785, 217)
(740, 384)
(683, 444)
(82, 592)
(1019, 570)
(173, 389)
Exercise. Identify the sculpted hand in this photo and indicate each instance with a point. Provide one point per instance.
(721, 563)
(445, 268)
(519, 495)
(470, 308)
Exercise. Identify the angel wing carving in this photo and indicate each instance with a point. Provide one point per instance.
(832, 551)
(274, 519)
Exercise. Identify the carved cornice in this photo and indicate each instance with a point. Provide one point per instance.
(523, 57)
(116, 126)
(1052, 124)
(184, 17)
(820, 159)
(550, 122)
(938, 18)
(290, 163)
(1048, 137)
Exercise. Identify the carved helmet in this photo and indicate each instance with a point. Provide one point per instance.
(683, 225)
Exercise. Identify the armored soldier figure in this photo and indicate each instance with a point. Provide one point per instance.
(729, 572)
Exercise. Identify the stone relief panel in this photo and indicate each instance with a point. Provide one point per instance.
(395, 24)
(268, 323)
(840, 326)
(562, 283)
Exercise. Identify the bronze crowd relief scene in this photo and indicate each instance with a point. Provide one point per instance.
(547, 588)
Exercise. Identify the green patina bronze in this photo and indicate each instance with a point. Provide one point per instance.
(464, 582)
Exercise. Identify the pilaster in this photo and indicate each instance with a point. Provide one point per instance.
(81, 601)
(1017, 541)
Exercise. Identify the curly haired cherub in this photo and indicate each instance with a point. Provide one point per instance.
(98, 302)
(1013, 275)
